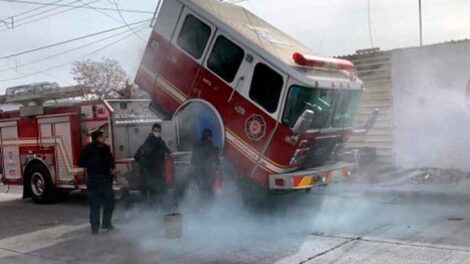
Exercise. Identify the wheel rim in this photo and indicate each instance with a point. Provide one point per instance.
(37, 184)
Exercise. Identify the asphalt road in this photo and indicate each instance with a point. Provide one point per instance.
(326, 226)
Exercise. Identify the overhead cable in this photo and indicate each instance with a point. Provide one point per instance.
(48, 16)
(69, 62)
(14, 67)
(68, 5)
(71, 40)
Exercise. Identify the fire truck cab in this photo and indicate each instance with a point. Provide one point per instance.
(280, 112)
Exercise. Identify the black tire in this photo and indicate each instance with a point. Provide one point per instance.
(39, 183)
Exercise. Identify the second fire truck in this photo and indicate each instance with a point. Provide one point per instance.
(41, 140)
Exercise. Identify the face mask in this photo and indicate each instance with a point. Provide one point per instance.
(157, 134)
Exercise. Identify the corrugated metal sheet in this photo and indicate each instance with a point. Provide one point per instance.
(374, 69)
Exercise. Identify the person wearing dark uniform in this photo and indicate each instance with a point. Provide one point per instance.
(98, 161)
(204, 160)
(151, 159)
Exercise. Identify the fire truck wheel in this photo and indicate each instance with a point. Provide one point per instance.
(40, 184)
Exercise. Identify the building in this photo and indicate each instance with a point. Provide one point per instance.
(422, 94)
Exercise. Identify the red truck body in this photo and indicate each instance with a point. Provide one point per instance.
(40, 145)
(256, 82)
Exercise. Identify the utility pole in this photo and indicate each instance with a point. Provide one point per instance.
(420, 25)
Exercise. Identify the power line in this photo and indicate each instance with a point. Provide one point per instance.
(68, 5)
(68, 51)
(14, 17)
(115, 19)
(67, 63)
(125, 22)
(34, 9)
(7, 22)
(42, 13)
(48, 16)
(99, 11)
(70, 40)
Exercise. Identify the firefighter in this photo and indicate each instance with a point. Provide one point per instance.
(205, 160)
(98, 161)
(151, 159)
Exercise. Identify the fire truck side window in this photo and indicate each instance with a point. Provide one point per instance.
(266, 87)
(225, 59)
(194, 36)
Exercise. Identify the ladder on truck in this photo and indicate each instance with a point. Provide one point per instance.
(39, 93)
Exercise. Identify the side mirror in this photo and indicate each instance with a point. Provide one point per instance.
(369, 124)
(304, 122)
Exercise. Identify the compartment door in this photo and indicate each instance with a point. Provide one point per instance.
(63, 142)
(122, 146)
(10, 149)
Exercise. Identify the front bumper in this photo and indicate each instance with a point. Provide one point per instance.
(310, 178)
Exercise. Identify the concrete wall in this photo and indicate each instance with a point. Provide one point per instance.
(430, 119)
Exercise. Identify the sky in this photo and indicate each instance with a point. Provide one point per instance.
(329, 27)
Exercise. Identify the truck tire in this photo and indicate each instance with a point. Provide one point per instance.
(39, 183)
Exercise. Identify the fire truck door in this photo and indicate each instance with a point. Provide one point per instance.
(255, 108)
(10, 150)
(122, 142)
(184, 57)
(45, 135)
(63, 142)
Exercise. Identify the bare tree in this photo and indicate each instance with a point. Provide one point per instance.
(106, 78)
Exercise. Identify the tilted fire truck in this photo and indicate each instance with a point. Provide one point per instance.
(280, 113)
(40, 144)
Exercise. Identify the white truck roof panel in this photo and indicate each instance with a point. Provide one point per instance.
(269, 42)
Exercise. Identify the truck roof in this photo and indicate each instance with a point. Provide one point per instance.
(272, 44)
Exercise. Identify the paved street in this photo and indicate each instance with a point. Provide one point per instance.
(331, 225)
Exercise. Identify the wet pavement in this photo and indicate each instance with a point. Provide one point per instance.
(342, 223)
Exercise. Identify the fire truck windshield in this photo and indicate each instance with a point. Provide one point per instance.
(332, 108)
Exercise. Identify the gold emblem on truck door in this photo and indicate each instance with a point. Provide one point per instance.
(255, 127)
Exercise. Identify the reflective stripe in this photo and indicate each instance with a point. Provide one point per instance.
(51, 141)
(312, 178)
(172, 90)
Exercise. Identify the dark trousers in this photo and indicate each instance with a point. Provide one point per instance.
(100, 194)
(152, 185)
(204, 177)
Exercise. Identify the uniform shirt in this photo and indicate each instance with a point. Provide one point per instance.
(151, 155)
(97, 158)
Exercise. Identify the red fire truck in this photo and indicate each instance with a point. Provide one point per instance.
(40, 144)
(280, 113)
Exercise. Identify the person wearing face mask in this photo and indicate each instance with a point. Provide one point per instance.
(98, 161)
(151, 159)
(205, 160)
